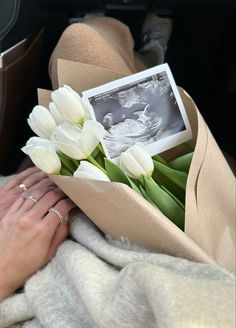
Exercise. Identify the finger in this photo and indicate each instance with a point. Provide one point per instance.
(18, 178)
(16, 205)
(43, 184)
(52, 219)
(44, 203)
(33, 179)
(58, 238)
(39, 198)
(57, 231)
(24, 204)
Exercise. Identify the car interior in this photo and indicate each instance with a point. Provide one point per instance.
(201, 55)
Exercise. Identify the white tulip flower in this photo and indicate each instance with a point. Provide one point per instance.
(69, 104)
(77, 142)
(36, 141)
(55, 113)
(136, 162)
(43, 155)
(87, 170)
(41, 121)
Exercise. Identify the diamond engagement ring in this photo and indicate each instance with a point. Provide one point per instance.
(58, 213)
(22, 186)
(26, 195)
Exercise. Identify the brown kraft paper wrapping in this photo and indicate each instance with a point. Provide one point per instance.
(119, 211)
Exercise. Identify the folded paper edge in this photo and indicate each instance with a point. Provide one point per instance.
(150, 219)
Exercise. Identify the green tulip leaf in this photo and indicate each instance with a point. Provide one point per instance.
(187, 147)
(164, 202)
(145, 195)
(135, 185)
(68, 164)
(95, 152)
(76, 162)
(177, 177)
(100, 160)
(173, 180)
(65, 172)
(159, 159)
(174, 197)
(115, 173)
(182, 163)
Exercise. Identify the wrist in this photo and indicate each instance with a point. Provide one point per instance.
(5, 290)
(6, 287)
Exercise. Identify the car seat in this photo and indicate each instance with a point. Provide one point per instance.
(20, 40)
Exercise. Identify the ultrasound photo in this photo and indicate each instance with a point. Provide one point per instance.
(144, 111)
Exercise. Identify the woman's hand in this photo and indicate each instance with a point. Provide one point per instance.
(30, 234)
(10, 191)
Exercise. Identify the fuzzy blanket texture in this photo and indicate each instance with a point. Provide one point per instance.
(94, 281)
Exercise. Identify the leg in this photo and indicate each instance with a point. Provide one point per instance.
(100, 41)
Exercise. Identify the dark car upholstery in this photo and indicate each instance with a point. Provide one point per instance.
(201, 56)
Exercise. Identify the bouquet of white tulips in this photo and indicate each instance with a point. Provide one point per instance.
(69, 143)
(133, 207)
(140, 199)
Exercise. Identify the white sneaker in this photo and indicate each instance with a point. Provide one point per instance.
(155, 34)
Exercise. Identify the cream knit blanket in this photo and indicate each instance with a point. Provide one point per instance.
(95, 282)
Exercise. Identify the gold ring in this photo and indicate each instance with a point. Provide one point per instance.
(23, 186)
(26, 195)
(58, 213)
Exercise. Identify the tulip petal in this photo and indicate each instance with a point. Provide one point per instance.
(41, 121)
(143, 158)
(45, 158)
(69, 104)
(39, 141)
(67, 138)
(131, 166)
(55, 113)
(84, 175)
(34, 127)
(71, 150)
(92, 133)
(67, 132)
(136, 162)
(87, 170)
(36, 141)
(75, 142)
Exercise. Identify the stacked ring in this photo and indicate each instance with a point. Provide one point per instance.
(26, 195)
(58, 213)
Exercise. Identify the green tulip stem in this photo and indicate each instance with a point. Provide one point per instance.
(94, 162)
(152, 180)
(101, 149)
(141, 180)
